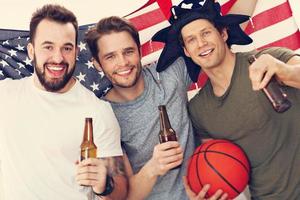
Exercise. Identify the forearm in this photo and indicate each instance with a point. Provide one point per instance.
(116, 170)
(142, 183)
(244, 7)
(120, 189)
(291, 76)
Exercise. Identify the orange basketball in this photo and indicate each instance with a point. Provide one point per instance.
(220, 163)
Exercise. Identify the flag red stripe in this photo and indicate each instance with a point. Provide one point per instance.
(270, 17)
(291, 42)
(150, 47)
(226, 6)
(148, 19)
(165, 6)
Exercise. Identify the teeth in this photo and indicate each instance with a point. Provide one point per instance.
(206, 52)
(55, 68)
(123, 72)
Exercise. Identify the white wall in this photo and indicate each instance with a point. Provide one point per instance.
(87, 11)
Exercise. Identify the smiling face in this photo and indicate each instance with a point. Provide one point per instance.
(120, 59)
(53, 52)
(204, 44)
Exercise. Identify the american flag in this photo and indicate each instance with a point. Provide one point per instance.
(273, 24)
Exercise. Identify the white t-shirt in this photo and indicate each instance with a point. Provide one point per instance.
(40, 137)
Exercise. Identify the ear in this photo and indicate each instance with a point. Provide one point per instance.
(224, 34)
(76, 51)
(30, 50)
(186, 52)
(97, 64)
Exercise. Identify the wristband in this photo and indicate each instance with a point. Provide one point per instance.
(109, 187)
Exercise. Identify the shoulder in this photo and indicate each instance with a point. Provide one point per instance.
(281, 53)
(90, 98)
(12, 86)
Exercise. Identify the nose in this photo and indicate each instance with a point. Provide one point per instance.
(201, 41)
(57, 56)
(122, 61)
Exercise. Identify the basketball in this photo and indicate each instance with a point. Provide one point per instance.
(220, 163)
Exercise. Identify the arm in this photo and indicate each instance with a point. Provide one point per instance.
(165, 157)
(92, 172)
(261, 71)
(244, 7)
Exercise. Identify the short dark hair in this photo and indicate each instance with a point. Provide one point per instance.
(107, 26)
(55, 13)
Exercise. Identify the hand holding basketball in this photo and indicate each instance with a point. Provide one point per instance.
(221, 164)
(219, 195)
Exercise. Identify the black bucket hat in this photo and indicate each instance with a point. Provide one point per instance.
(181, 16)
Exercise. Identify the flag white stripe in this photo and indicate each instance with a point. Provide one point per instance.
(269, 34)
(263, 5)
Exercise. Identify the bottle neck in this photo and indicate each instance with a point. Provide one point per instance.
(88, 130)
(164, 119)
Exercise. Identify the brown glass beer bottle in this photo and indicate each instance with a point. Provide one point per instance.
(275, 93)
(88, 147)
(166, 132)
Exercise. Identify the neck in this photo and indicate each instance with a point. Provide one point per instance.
(220, 76)
(121, 95)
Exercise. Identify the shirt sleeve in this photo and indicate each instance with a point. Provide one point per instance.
(107, 132)
(180, 68)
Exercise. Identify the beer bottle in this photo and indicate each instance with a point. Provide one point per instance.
(166, 132)
(88, 147)
(275, 93)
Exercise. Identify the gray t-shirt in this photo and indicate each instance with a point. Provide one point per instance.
(139, 121)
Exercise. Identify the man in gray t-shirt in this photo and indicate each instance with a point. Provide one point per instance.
(135, 98)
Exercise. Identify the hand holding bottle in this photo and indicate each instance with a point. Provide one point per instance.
(165, 157)
(262, 73)
(263, 69)
(92, 172)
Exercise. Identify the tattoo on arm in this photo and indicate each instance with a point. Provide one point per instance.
(115, 165)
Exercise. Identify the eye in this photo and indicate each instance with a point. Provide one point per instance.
(109, 57)
(129, 52)
(190, 40)
(68, 48)
(206, 33)
(48, 47)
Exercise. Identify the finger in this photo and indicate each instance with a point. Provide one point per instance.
(217, 195)
(256, 78)
(87, 182)
(89, 169)
(171, 159)
(202, 193)
(224, 196)
(90, 161)
(169, 153)
(167, 145)
(173, 164)
(268, 75)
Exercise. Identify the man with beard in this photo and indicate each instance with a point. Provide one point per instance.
(136, 94)
(42, 122)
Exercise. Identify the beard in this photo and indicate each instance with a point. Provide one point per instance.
(53, 85)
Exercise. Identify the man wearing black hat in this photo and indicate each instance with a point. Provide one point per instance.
(229, 105)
